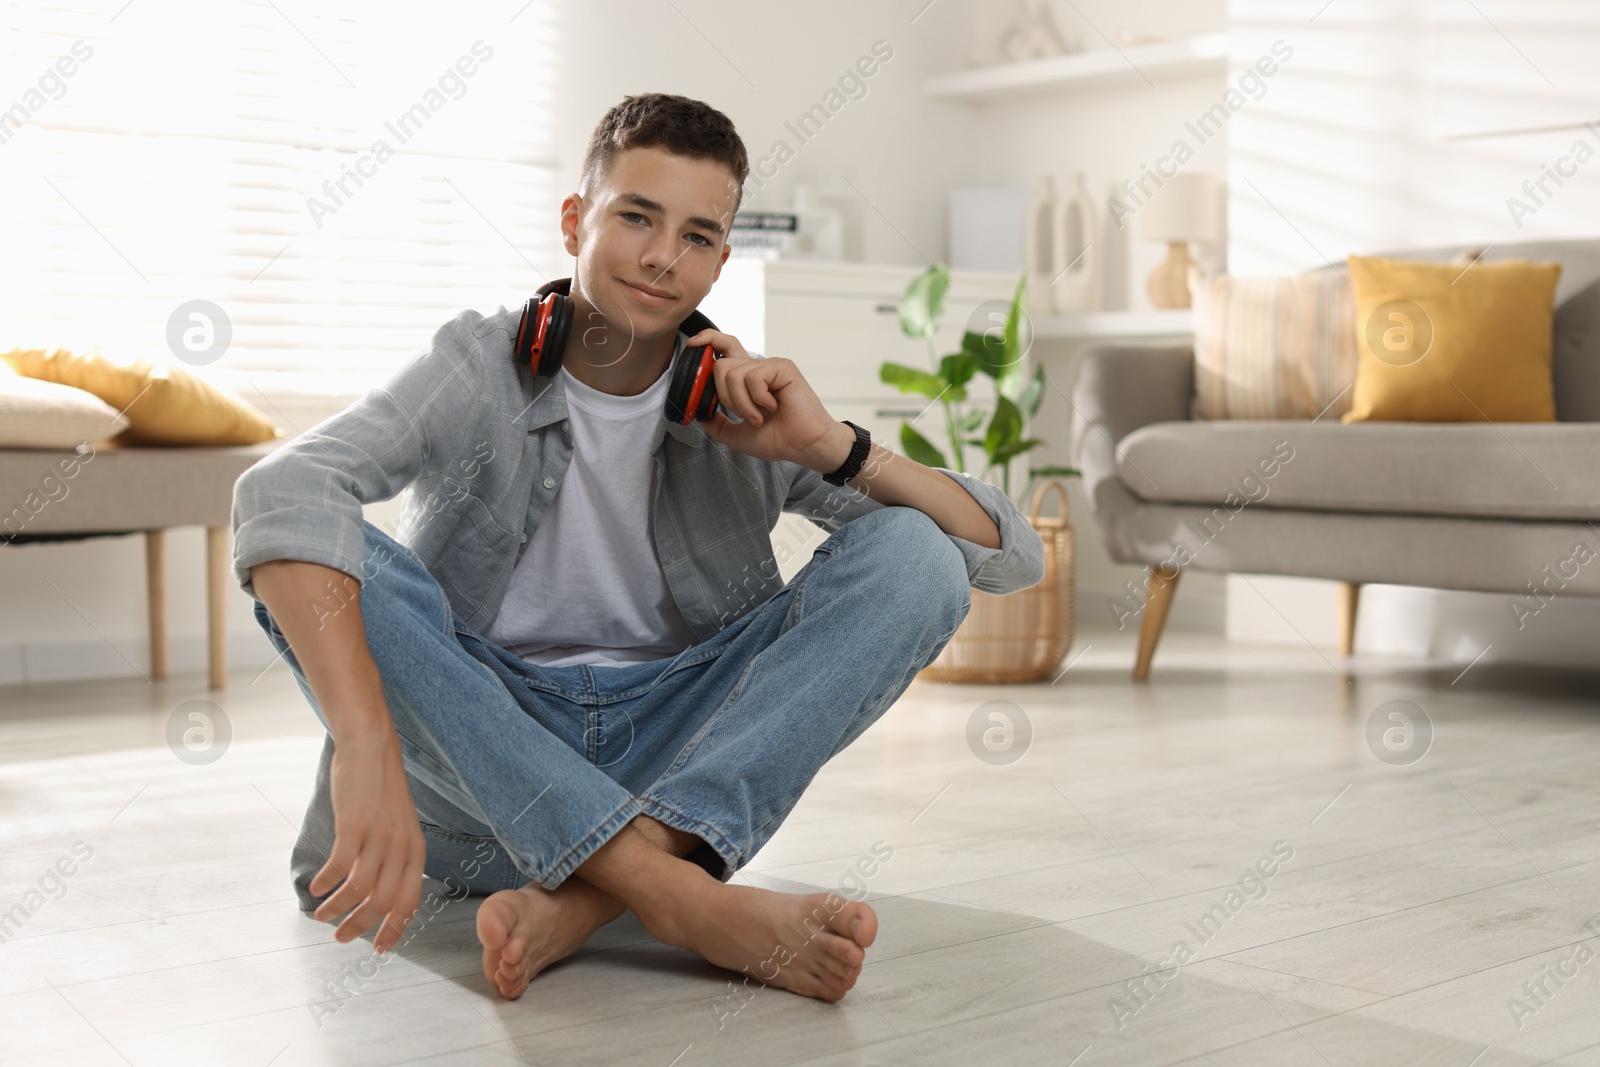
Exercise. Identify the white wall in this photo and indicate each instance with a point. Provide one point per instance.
(764, 65)
(1349, 151)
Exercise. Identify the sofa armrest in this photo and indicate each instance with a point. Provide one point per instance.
(1120, 389)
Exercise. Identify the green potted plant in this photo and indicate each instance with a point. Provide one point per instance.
(996, 352)
(1022, 636)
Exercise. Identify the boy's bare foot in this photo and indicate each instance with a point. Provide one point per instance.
(813, 944)
(525, 930)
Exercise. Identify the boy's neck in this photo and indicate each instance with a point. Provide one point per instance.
(609, 356)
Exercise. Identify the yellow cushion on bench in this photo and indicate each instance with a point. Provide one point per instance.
(166, 405)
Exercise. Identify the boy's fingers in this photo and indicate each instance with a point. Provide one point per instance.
(738, 398)
(332, 874)
(344, 899)
(760, 391)
(404, 911)
(350, 894)
(368, 913)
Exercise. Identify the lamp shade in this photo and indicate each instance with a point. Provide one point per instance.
(1184, 208)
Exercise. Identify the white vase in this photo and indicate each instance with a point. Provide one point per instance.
(821, 227)
(1039, 247)
(1075, 281)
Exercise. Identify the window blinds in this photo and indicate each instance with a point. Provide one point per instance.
(340, 178)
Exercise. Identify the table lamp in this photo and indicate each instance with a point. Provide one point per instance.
(1183, 209)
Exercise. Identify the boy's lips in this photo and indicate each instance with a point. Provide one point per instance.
(648, 297)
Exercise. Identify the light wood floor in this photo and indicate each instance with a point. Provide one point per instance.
(1019, 902)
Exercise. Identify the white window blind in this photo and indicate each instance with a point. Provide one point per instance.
(179, 159)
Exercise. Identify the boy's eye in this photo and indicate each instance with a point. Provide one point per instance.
(631, 215)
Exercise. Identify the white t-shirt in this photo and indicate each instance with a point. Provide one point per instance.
(589, 588)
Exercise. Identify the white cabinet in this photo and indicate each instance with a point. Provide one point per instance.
(838, 323)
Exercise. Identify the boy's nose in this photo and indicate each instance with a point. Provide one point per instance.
(658, 254)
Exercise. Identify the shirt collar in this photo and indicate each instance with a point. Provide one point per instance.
(549, 405)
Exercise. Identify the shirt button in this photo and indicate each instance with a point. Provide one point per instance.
(549, 482)
(524, 538)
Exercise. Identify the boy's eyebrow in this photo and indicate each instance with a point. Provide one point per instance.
(640, 200)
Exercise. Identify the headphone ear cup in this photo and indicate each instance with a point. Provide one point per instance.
(708, 398)
(680, 389)
(555, 334)
(520, 348)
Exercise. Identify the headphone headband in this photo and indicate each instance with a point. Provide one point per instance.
(542, 337)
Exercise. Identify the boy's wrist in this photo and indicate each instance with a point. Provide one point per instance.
(833, 450)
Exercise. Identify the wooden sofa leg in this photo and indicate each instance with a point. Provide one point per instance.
(155, 578)
(1156, 606)
(1349, 594)
(219, 563)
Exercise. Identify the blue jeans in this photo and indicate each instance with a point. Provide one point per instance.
(520, 772)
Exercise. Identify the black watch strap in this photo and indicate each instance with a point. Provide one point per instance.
(858, 455)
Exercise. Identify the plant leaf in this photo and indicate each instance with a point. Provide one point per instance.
(1065, 472)
(1002, 344)
(971, 420)
(1028, 402)
(922, 304)
(911, 380)
(1005, 428)
(959, 367)
(1007, 453)
(917, 447)
(1019, 332)
(988, 348)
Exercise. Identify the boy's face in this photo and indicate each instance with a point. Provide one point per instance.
(656, 220)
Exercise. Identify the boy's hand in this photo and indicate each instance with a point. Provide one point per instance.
(783, 419)
(378, 849)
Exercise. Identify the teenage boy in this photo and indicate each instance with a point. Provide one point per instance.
(575, 681)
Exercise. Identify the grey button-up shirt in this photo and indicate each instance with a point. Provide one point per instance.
(480, 446)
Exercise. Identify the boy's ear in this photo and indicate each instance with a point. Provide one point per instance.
(572, 210)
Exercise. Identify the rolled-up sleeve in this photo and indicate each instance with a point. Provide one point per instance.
(1019, 561)
(1017, 564)
(303, 501)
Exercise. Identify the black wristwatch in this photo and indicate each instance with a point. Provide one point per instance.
(858, 455)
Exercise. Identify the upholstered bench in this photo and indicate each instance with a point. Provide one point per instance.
(109, 489)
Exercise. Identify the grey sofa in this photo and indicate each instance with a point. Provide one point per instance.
(1497, 508)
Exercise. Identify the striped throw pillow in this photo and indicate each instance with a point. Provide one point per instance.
(1274, 348)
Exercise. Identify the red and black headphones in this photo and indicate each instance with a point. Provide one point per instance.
(547, 322)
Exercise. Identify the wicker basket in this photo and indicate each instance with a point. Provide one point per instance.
(1021, 636)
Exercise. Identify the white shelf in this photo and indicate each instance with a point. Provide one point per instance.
(1117, 325)
(1184, 56)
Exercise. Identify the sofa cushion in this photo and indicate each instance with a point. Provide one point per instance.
(1514, 470)
(1575, 363)
(1576, 356)
(1273, 347)
(36, 414)
(1448, 343)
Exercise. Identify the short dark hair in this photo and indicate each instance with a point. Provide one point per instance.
(678, 124)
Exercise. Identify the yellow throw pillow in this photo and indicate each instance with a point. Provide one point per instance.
(166, 405)
(1445, 342)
